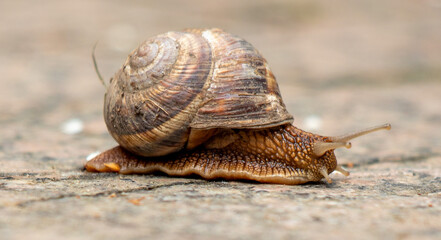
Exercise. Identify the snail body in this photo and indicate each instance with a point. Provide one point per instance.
(205, 102)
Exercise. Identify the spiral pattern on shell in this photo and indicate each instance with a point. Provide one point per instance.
(196, 79)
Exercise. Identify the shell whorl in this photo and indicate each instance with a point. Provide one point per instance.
(195, 79)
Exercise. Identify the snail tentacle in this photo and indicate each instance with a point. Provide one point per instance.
(331, 143)
(347, 137)
(95, 65)
(342, 171)
(324, 172)
(319, 147)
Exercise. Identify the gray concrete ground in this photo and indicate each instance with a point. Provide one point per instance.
(341, 66)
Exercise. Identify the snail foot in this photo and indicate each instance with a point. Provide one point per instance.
(112, 160)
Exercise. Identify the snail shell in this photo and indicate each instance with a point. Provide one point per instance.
(205, 102)
(195, 80)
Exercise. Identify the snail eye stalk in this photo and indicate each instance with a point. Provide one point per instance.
(320, 148)
(95, 65)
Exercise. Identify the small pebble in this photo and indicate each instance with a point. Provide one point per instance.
(72, 126)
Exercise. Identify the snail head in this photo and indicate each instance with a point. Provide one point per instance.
(322, 150)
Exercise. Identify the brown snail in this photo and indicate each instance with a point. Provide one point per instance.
(205, 102)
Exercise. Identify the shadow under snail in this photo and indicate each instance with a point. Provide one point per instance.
(205, 102)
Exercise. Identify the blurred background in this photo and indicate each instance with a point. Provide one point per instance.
(341, 65)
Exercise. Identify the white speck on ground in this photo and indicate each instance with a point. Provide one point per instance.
(72, 126)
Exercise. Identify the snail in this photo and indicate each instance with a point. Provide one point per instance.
(204, 102)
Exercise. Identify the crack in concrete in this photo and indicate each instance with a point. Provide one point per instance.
(103, 193)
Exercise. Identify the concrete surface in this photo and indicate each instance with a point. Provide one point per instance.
(340, 65)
